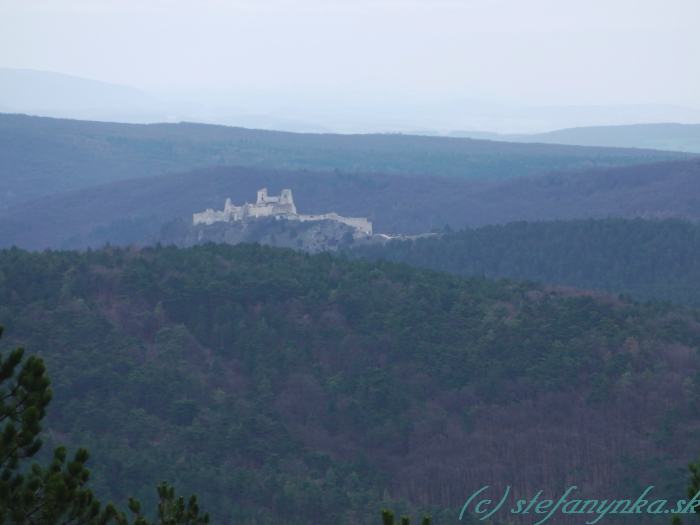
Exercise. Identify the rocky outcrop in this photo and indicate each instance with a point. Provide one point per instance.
(311, 236)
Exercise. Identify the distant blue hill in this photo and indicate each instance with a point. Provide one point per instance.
(662, 136)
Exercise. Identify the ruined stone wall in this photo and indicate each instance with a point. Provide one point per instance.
(361, 224)
(276, 206)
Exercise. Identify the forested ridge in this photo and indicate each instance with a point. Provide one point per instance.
(647, 259)
(41, 157)
(136, 210)
(287, 388)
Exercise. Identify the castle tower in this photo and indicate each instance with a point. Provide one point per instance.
(286, 197)
(287, 200)
(262, 196)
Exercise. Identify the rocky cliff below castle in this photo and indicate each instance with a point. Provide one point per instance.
(310, 236)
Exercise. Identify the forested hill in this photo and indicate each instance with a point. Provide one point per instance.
(648, 259)
(287, 388)
(134, 211)
(43, 156)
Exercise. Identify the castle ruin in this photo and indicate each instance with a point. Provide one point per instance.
(278, 207)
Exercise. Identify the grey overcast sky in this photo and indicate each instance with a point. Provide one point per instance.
(536, 52)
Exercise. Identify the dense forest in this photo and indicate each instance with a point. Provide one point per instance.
(294, 389)
(647, 259)
(41, 157)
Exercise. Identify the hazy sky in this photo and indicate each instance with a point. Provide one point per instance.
(523, 51)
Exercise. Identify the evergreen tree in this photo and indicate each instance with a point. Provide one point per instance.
(388, 519)
(693, 487)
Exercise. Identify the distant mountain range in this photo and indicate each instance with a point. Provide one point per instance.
(58, 95)
(41, 157)
(670, 137)
(51, 94)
